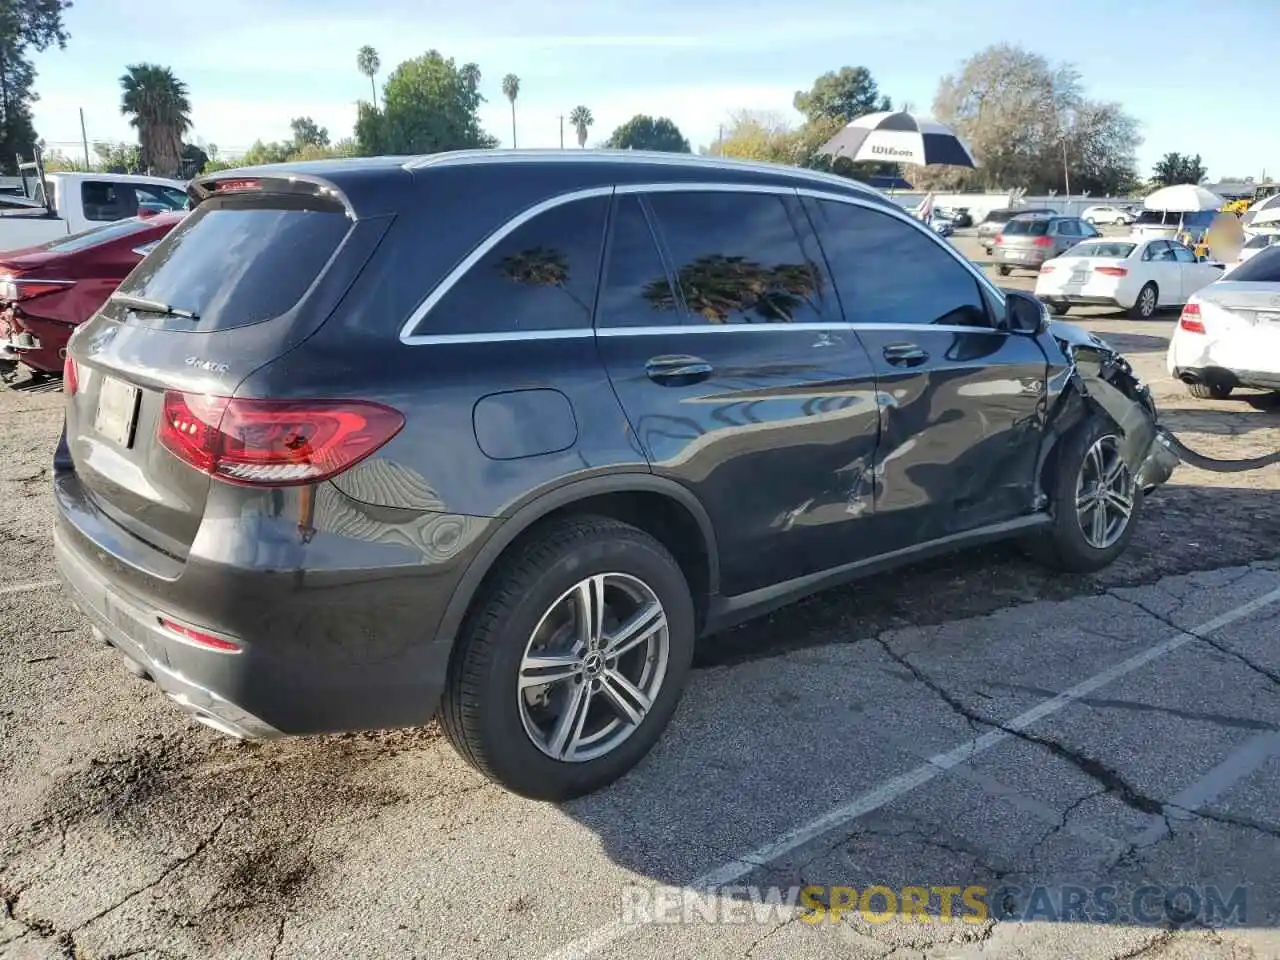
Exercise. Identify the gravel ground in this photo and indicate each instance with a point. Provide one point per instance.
(129, 831)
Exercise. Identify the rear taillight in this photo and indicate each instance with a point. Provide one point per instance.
(1044, 241)
(1112, 271)
(1190, 320)
(70, 376)
(199, 638)
(1046, 267)
(273, 442)
(999, 238)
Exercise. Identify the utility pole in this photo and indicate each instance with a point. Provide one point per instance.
(84, 139)
(720, 140)
(562, 131)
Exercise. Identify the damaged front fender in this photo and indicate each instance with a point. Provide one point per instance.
(1098, 374)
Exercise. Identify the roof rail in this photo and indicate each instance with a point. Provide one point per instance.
(688, 160)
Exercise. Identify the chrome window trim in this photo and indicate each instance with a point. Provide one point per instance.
(438, 293)
(451, 279)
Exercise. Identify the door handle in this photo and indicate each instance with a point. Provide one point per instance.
(677, 370)
(904, 354)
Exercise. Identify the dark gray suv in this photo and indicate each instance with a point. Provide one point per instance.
(497, 436)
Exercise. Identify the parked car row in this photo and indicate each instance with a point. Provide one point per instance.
(46, 291)
(327, 465)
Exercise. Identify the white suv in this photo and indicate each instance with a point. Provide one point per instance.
(1107, 215)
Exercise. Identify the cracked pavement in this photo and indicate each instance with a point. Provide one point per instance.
(129, 831)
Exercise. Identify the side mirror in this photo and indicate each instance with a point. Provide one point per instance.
(1023, 313)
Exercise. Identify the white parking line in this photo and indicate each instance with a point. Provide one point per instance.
(896, 787)
(27, 587)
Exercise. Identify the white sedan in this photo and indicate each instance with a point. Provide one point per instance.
(1229, 332)
(1138, 275)
(1106, 214)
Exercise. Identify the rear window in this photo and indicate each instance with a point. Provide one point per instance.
(1262, 268)
(1260, 241)
(1108, 251)
(996, 215)
(95, 235)
(1027, 228)
(1156, 218)
(237, 265)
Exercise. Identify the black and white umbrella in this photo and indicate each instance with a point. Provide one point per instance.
(899, 138)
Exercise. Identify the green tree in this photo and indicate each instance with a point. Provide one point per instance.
(1029, 125)
(156, 103)
(261, 152)
(1174, 168)
(429, 105)
(368, 63)
(643, 132)
(194, 159)
(307, 133)
(843, 95)
(25, 26)
(119, 157)
(511, 90)
(581, 119)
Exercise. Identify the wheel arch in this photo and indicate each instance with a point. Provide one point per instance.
(661, 507)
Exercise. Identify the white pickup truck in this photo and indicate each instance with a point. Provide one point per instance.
(69, 203)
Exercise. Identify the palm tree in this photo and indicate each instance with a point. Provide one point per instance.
(155, 101)
(511, 90)
(581, 119)
(368, 63)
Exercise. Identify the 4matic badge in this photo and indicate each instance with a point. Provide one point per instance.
(207, 365)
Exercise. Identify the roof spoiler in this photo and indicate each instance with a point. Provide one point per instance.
(253, 180)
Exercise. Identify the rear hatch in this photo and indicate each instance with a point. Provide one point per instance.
(1025, 235)
(253, 271)
(1094, 261)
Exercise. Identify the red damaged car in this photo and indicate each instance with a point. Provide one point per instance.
(46, 291)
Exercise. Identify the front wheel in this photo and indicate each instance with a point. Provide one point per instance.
(572, 662)
(1094, 500)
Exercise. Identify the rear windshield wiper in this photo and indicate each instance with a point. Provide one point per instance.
(143, 305)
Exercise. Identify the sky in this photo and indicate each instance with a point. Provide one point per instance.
(1181, 67)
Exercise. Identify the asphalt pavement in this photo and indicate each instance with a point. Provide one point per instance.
(964, 760)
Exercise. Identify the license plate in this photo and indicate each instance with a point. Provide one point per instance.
(1080, 276)
(1009, 254)
(117, 411)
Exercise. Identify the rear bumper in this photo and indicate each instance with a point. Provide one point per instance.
(129, 628)
(1020, 258)
(333, 635)
(1078, 300)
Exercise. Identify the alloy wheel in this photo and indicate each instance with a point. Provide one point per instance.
(1105, 494)
(593, 667)
(1147, 301)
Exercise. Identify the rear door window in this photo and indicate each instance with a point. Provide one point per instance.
(103, 200)
(237, 264)
(637, 291)
(738, 258)
(541, 276)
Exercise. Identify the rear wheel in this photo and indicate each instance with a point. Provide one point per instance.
(573, 660)
(1058, 309)
(1209, 391)
(1094, 499)
(1144, 308)
(1004, 269)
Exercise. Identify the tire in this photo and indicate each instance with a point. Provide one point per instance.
(532, 600)
(1209, 391)
(1144, 308)
(1058, 309)
(1067, 545)
(1003, 269)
